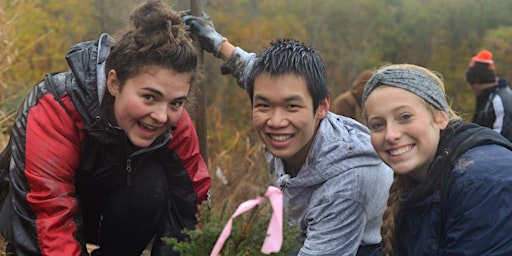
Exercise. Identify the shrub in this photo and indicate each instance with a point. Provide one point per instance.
(247, 234)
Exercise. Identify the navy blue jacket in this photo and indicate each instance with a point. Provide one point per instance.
(464, 206)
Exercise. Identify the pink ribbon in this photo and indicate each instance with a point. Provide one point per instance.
(274, 238)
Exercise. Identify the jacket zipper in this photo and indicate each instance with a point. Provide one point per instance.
(129, 172)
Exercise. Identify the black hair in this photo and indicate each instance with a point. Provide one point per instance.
(288, 56)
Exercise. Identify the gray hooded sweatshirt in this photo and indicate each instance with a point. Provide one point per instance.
(339, 195)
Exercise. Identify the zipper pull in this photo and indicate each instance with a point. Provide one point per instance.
(129, 172)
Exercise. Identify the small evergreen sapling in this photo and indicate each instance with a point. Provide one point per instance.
(247, 234)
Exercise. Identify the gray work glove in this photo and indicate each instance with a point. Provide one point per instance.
(203, 27)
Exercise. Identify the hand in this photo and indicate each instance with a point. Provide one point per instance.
(209, 39)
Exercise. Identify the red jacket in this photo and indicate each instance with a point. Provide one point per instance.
(59, 138)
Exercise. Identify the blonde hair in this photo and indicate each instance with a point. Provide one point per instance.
(402, 183)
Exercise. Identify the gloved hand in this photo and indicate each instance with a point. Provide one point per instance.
(203, 27)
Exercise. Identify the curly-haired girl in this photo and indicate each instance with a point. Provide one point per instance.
(105, 153)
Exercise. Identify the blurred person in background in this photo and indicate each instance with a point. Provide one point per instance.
(349, 103)
(493, 95)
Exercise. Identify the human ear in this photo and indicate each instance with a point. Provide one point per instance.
(112, 83)
(323, 107)
(442, 119)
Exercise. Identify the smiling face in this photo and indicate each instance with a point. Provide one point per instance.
(284, 118)
(403, 130)
(149, 103)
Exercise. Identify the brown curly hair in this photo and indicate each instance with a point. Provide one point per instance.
(155, 36)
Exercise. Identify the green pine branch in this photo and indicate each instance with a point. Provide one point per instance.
(247, 234)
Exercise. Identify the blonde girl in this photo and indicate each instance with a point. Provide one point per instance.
(452, 192)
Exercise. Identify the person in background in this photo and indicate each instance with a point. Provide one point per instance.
(335, 187)
(349, 103)
(493, 95)
(452, 193)
(105, 153)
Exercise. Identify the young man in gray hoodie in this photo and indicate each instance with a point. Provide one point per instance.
(335, 186)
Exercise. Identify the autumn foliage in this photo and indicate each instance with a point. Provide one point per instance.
(351, 35)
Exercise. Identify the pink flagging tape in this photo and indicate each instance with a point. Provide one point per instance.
(274, 238)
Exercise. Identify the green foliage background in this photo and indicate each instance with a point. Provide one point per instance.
(352, 35)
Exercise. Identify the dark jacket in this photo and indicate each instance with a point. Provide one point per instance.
(494, 109)
(464, 205)
(62, 145)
